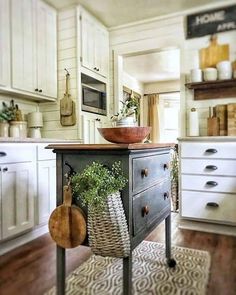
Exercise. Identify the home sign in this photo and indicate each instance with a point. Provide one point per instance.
(211, 22)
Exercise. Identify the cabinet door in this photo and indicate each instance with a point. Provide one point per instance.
(23, 45)
(88, 124)
(46, 50)
(18, 193)
(87, 41)
(4, 43)
(101, 50)
(46, 189)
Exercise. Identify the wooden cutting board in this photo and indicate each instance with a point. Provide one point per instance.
(214, 53)
(231, 110)
(213, 124)
(67, 224)
(221, 113)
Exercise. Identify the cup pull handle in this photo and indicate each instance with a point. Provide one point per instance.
(3, 154)
(145, 210)
(144, 172)
(212, 151)
(211, 183)
(212, 204)
(211, 167)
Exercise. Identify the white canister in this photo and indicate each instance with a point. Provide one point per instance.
(4, 129)
(14, 129)
(193, 123)
(224, 70)
(196, 75)
(210, 74)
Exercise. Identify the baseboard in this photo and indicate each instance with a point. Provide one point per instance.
(23, 239)
(207, 227)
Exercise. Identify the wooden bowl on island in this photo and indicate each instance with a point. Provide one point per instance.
(125, 134)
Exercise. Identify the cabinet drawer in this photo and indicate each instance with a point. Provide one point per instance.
(148, 170)
(13, 153)
(209, 166)
(45, 154)
(209, 183)
(148, 204)
(223, 150)
(194, 205)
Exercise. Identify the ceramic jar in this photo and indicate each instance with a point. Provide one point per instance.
(224, 70)
(210, 74)
(196, 75)
(4, 129)
(18, 129)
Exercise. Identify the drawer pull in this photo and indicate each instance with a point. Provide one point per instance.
(166, 166)
(3, 154)
(166, 195)
(212, 204)
(145, 210)
(211, 167)
(212, 183)
(144, 172)
(212, 151)
(5, 169)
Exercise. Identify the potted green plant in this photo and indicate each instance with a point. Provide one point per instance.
(98, 188)
(128, 113)
(174, 174)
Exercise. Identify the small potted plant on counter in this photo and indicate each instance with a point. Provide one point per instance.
(98, 188)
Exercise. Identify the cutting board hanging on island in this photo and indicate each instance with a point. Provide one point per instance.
(214, 53)
(67, 106)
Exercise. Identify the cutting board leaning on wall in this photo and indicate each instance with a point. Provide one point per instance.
(214, 53)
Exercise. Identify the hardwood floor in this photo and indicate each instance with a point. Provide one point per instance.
(31, 268)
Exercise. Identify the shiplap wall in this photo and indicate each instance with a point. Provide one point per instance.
(67, 58)
(191, 53)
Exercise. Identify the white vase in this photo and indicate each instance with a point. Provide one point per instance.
(126, 122)
(4, 129)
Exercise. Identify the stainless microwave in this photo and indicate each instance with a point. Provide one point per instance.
(94, 100)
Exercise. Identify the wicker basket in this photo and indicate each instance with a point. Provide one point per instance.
(107, 230)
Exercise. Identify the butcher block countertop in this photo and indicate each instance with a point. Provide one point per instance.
(208, 138)
(133, 146)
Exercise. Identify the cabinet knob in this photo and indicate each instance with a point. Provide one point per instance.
(145, 210)
(211, 151)
(5, 169)
(36, 89)
(95, 68)
(166, 195)
(211, 183)
(98, 69)
(40, 90)
(212, 204)
(97, 119)
(3, 154)
(166, 166)
(144, 172)
(211, 167)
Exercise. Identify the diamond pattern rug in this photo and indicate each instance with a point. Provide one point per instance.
(151, 275)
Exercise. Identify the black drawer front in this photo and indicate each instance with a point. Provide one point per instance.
(148, 204)
(148, 170)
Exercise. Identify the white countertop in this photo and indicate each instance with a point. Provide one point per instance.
(208, 138)
(37, 140)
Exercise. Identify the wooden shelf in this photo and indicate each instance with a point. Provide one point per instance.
(213, 89)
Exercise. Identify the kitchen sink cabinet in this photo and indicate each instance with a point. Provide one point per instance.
(4, 44)
(31, 27)
(94, 44)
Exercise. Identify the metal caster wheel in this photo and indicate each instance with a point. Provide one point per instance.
(171, 262)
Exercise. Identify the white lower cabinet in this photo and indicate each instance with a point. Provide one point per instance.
(46, 189)
(18, 191)
(208, 180)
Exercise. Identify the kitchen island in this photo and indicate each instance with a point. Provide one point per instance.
(146, 197)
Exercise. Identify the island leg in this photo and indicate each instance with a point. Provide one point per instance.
(61, 271)
(170, 261)
(127, 275)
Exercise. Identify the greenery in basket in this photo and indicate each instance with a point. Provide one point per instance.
(96, 182)
(174, 166)
(129, 107)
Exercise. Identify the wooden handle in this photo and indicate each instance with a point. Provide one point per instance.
(145, 210)
(67, 195)
(144, 172)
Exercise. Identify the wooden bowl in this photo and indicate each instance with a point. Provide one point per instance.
(125, 134)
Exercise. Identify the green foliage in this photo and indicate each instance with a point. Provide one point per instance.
(129, 107)
(96, 182)
(8, 112)
(174, 166)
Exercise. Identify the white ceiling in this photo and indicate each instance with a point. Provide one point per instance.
(152, 67)
(119, 12)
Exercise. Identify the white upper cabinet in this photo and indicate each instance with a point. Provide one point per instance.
(4, 43)
(23, 45)
(94, 44)
(34, 51)
(46, 50)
